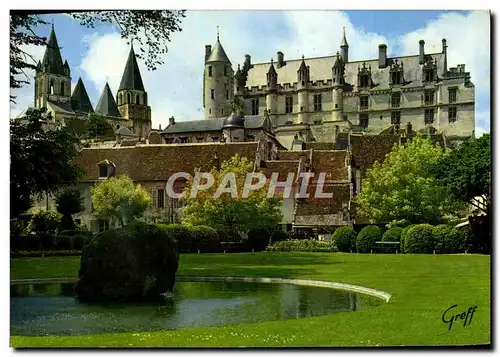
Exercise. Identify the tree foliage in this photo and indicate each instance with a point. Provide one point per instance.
(40, 159)
(466, 172)
(69, 202)
(232, 217)
(121, 198)
(149, 30)
(402, 188)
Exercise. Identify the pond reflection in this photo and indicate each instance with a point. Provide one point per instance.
(53, 309)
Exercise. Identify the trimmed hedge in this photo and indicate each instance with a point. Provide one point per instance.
(454, 242)
(181, 234)
(403, 236)
(302, 245)
(420, 239)
(45, 253)
(344, 239)
(278, 236)
(440, 232)
(366, 237)
(205, 239)
(392, 235)
(48, 242)
(258, 239)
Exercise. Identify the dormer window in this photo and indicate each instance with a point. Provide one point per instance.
(364, 76)
(429, 71)
(396, 73)
(106, 169)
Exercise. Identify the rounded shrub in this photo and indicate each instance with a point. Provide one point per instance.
(44, 223)
(366, 237)
(454, 241)
(419, 239)
(205, 239)
(279, 236)
(403, 236)
(440, 232)
(258, 239)
(134, 263)
(181, 234)
(344, 239)
(392, 234)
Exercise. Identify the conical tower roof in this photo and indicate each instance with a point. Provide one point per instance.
(272, 71)
(80, 101)
(52, 60)
(131, 78)
(218, 54)
(338, 61)
(107, 105)
(344, 40)
(303, 67)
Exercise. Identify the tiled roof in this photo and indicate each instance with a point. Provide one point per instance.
(366, 149)
(320, 146)
(320, 68)
(293, 155)
(281, 167)
(321, 206)
(332, 162)
(61, 107)
(159, 162)
(107, 105)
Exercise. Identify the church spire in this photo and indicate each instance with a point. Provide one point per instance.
(131, 78)
(344, 47)
(107, 105)
(80, 101)
(52, 60)
(344, 40)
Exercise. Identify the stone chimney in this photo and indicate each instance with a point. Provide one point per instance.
(382, 56)
(171, 121)
(208, 51)
(281, 60)
(159, 127)
(248, 61)
(421, 52)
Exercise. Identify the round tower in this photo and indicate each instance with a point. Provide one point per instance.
(337, 90)
(303, 92)
(218, 82)
(272, 87)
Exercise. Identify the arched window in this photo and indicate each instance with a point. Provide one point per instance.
(120, 99)
(128, 98)
(137, 99)
(62, 88)
(51, 87)
(117, 126)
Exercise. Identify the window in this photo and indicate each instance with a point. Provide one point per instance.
(396, 118)
(363, 120)
(395, 100)
(452, 114)
(158, 198)
(200, 139)
(103, 225)
(227, 94)
(137, 99)
(209, 111)
(429, 116)
(255, 106)
(225, 71)
(429, 97)
(363, 102)
(212, 93)
(210, 71)
(288, 105)
(429, 75)
(51, 87)
(215, 138)
(103, 171)
(364, 80)
(161, 198)
(396, 77)
(62, 88)
(317, 102)
(250, 137)
(128, 98)
(452, 95)
(184, 140)
(222, 111)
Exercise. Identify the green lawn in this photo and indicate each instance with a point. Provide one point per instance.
(422, 288)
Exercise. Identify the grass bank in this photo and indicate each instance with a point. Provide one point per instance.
(422, 288)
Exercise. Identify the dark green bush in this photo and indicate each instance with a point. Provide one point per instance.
(440, 232)
(278, 236)
(44, 223)
(344, 239)
(64, 243)
(258, 239)
(134, 263)
(205, 239)
(181, 234)
(366, 237)
(420, 239)
(44, 253)
(48, 242)
(392, 234)
(454, 242)
(76, 233)
(403, 236)
(30, 242)
(79, 241)
(302, 245)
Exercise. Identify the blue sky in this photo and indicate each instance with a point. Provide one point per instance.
(98, 55)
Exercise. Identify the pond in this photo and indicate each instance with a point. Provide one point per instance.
(41, 309)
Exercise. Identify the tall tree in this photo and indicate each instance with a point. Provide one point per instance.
(232, 215)
(149, 30)
(402, 188)
(121, 198)
(40, 159)
(69, 202)
(466, 172)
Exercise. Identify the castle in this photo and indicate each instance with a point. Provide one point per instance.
(313, 115)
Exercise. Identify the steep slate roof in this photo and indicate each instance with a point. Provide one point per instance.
(52, 57)
(131, 78)
(218, 54)
(61, 107)
(124, 131)
(216, 124)
(320, 69)
(107, 105)
(159, 162)
(80, 101)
